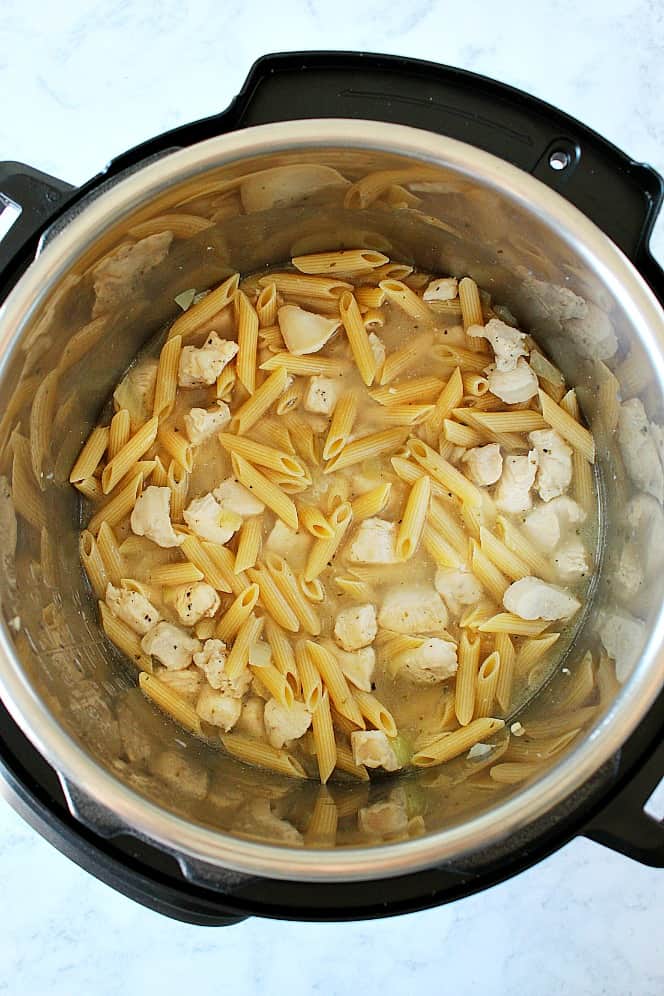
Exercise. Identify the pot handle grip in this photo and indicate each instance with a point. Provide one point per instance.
(28, 200)
(624, 825)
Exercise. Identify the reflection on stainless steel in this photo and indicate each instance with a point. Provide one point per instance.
(423, 200)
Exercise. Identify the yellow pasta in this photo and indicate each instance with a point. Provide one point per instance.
(266, 306)
(249, 544)
(194, 551)
(444, 472)
(119, 432)
(475, 385)
(263, 489)
(119, 506)
(247, 338)
(343, 419)
(90, 456)
(506, 622)
(369, 298)
(322, 826)
(533, 650)
(166, 384)
(224, 561)
(41, 422)
(177, 480)
(471, 305)
(466, 678)
(264, 456)
(124, 638)
(264, 397)
(505, 650)
(290, 399)
(335, 682)
(403, 359)
(172, 575)
(239, 610)
(262, 755)
(182, 226)
(207, 308)
(488, 575)
(507, 562)
(413, 519)
(240, 653)
(371, 502)
(170, 702)
(304, 439)
(528, 554)
(273, 433)
(464, 359)
(287, 584)
(444, 521)
(308, 286)
(439, 549)
(510, 421)
(450, 745)
(342, 261)
(461, 435)
(576, 435)
(361, 591)
(416, 390)
(81, 343)
(358, 339)
(313, 520)
(159, 474)
(582, 481)
(110, 553)
(323, 734)
(367, 448)
(289, 485)
(272, 599)
(400, 294)
(93, 563)
(177, 446)
(312, 686)
(486, 684)
(580, 685)
(304, 366)
(323, 550)
(558, 725)
(226, 382)
(375, 713)
(283, 655)
(274, 682)
(346, 763)
(313, 590)
(90, 488)
(448, 399)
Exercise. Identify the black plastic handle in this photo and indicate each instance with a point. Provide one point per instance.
(39, 196)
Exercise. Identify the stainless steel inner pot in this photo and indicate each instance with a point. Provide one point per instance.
(67, 687)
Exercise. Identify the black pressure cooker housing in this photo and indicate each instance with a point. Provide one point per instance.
(622, 198)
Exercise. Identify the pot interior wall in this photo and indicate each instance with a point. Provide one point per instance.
(430, 216)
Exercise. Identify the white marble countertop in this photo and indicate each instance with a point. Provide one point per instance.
(82, 81)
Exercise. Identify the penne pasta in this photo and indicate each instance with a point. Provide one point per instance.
(235, 615)
(439, 549)
(533, 650)
(119, 506)
(288, 587)
(249, 544)
(581, 684)
(159, 475)
(356, 261)
(274, 682)
(451, 745)
(272, 599)
(263, 755)
(334, 682)
(206, 309)
(371, 502)
(448, 399)
(312, 686)
(313, 520)
(416, 390)
(358, 339)
(273, 433)
(263, 489)
(266, 306)
(375, 713)
(119, 432)
(110, 553)
(290, 399)
(41, 423)
(170, 702)
(177, 446)
(240, 653)
(465, 360)
(182, 226)
(470, 302)
(361, 591)
(264, 397)
(346, 764)
(461, 435)
(197, 554)
(466, 678)
(367, 448)
(224, 561)
(323, 734)
(343, 419)
(507, 562)
(400, 294)
(323, 551)
(492, 580)
(303, 437)
(505, 650)
(322, 826)
(486, 684)
(247, 338)
(306, 285)
(445, 473)
(313, 590)
(177, 480)
(283, 655)
(90, 488)
(304, 366)
(124, 638)
(505, 622)
(90, 456)
(523, 549)
(369, 299)
(264, 456)
(398, 363)
(576, 435)
(166, 384)
(413, 518)
(172, 575)
(226, 381)
(93, 563)
(475, 385)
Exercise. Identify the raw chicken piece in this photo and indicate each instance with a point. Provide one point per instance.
(485, 463)
(358, 666)
(200, 367)
(201, 423)
(322, 395)
(251, 719)
(374, 543)
(518, 477)
(457, 587)
(387, 817)
(209, 520)
(413, 609)
(194, 602)
(373, 749)
(554, 470)
(639, 449)
(218, 708)
(547, 523)
(508, 343)
(132, 608)
(443, 289)
(304, 331)
(211, 659)
(435, 660)
(378, 349)
(356, 627)
(135, 392)
(236, 498)
(514, 386)
(172, 646)
(151, 517)
(531, 598)
(571, 560)
(282, 724)
(186, 683)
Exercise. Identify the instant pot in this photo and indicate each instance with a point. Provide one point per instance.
(548, 217)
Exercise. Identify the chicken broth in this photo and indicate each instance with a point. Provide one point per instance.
(353, 535)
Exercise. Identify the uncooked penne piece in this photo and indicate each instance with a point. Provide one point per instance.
(507, 562)
(523, 549)
(247, 338)
(90, 456)
(323, 734)
(371, 502)
(308, 286)
(272, 600)
(576, 435)
(194, 551)
(177, 480)
(224, 560)
(413, 518)
(170, 702)
(266, 306)
(263, 755)
(304, 366)
(356, 261)
(159, 475)
(312, 686)
(166, 384)
(313, 520)
(323, 550)
(290, 399)
(240, 652)
(93, 563)
(505, 650)
(343, 419)
(238, 611)
(312, 590)
(492, 580)
(275, 683)
(444, 472)
(450, 745)
(485, 685)
(533, 650)
(365, 361)
(403, 359)
(580, 685)
(267, 492)
(264, 456)
(226, 382)
(287, 584)
(173, 575)
(264, 397)
(119, 433)
(346, 764)
(367, 448)
(448, 399)
(466, 678)
(335, 682)
(461, 435)
(124, 638)
(207, 308)
(119, 506)
(177, 446)
(283, 655)
(506, 622)
(471, 304)
(400, 294)
(369, 298)
(416, 390)
(41, 423)
(475, 384)
(249, 543)
(439, 549)
(90, 488)
(375, 713)
(110, 553)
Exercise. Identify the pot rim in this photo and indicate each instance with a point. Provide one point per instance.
(190, 843)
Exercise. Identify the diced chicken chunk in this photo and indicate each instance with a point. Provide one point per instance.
(508, 343)
(645, 518)
(571, 560)
(435, 660)
(485, 463)
(628, 576)
(303, 331)
(259, 820)
(236, 498)
(132, 608)
(185, 777)
(389, 816)
(284, 186)
(135, 392)
(374, 543)
(211, 659)
(442, 289)
(514, 386)
(209, 520)
(373, 749)
(218, 708)
(639, 449)
(251, 718)
(200, 366)
(358, 666)
(623, 637)
(194, 602)
(547, 523)
(283, 725)
(117, 277)
(356, 627)
(457, 587)
(287, 543)
(186, 683)
(322, 395)
(413, 609)
(554, 470)
(378, 349)
(151, 517)
(517, 478)
(201, 423)
(531, 598)
(171, 646)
